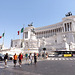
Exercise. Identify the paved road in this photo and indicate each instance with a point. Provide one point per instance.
(51, 66)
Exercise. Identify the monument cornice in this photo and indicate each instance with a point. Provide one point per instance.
(49, 27)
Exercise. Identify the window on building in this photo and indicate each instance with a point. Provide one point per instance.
(21, 44)
(26, 34)
(11, 43)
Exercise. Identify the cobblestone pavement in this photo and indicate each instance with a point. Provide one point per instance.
(50, 66)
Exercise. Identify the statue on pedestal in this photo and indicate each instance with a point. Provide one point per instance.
(30, 24)
(68, 14)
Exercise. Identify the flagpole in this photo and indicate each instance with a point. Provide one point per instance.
(3, 43)
(3, 37)
(19, 35)
(3, 40)
(23, 37)
(20, 38)
(23, 31)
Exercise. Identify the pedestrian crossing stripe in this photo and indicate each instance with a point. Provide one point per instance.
(52, 58)
(67, 59)
(56, 59)
(63, 58)
(70, 58)
(74, 58)
(60, 58)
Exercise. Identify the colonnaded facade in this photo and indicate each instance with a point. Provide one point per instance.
(56, 37)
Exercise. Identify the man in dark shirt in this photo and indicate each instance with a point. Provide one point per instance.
(5, 59)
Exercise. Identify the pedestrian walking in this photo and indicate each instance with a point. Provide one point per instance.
(46, 55)
(20, 59)
(26, 56)
(30, 58)
(6, 59)
(15, 59)
(35, 58)
(43, 55)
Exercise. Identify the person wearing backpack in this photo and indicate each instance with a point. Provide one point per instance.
(15, 59)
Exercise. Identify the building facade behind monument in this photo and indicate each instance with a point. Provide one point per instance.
(18, 43)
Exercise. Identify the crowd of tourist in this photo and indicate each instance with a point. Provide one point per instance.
(19, 58)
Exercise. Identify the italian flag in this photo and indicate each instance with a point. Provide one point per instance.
(21, 31)
(18, 32)
(2, 35)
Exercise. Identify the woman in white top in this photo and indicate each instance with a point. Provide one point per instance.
(30, 58)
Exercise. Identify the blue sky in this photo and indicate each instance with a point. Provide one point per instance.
(15, 13)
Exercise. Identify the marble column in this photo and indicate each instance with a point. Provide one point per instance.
(70, 26)
(64, 27)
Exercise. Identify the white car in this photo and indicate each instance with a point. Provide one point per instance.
(60, 55)
(10, 56)
(51, 55)
(1, 57)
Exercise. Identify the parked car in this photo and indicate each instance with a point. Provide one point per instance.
(60, 55)
(10, 57)
(1, 57)
(51, 55)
